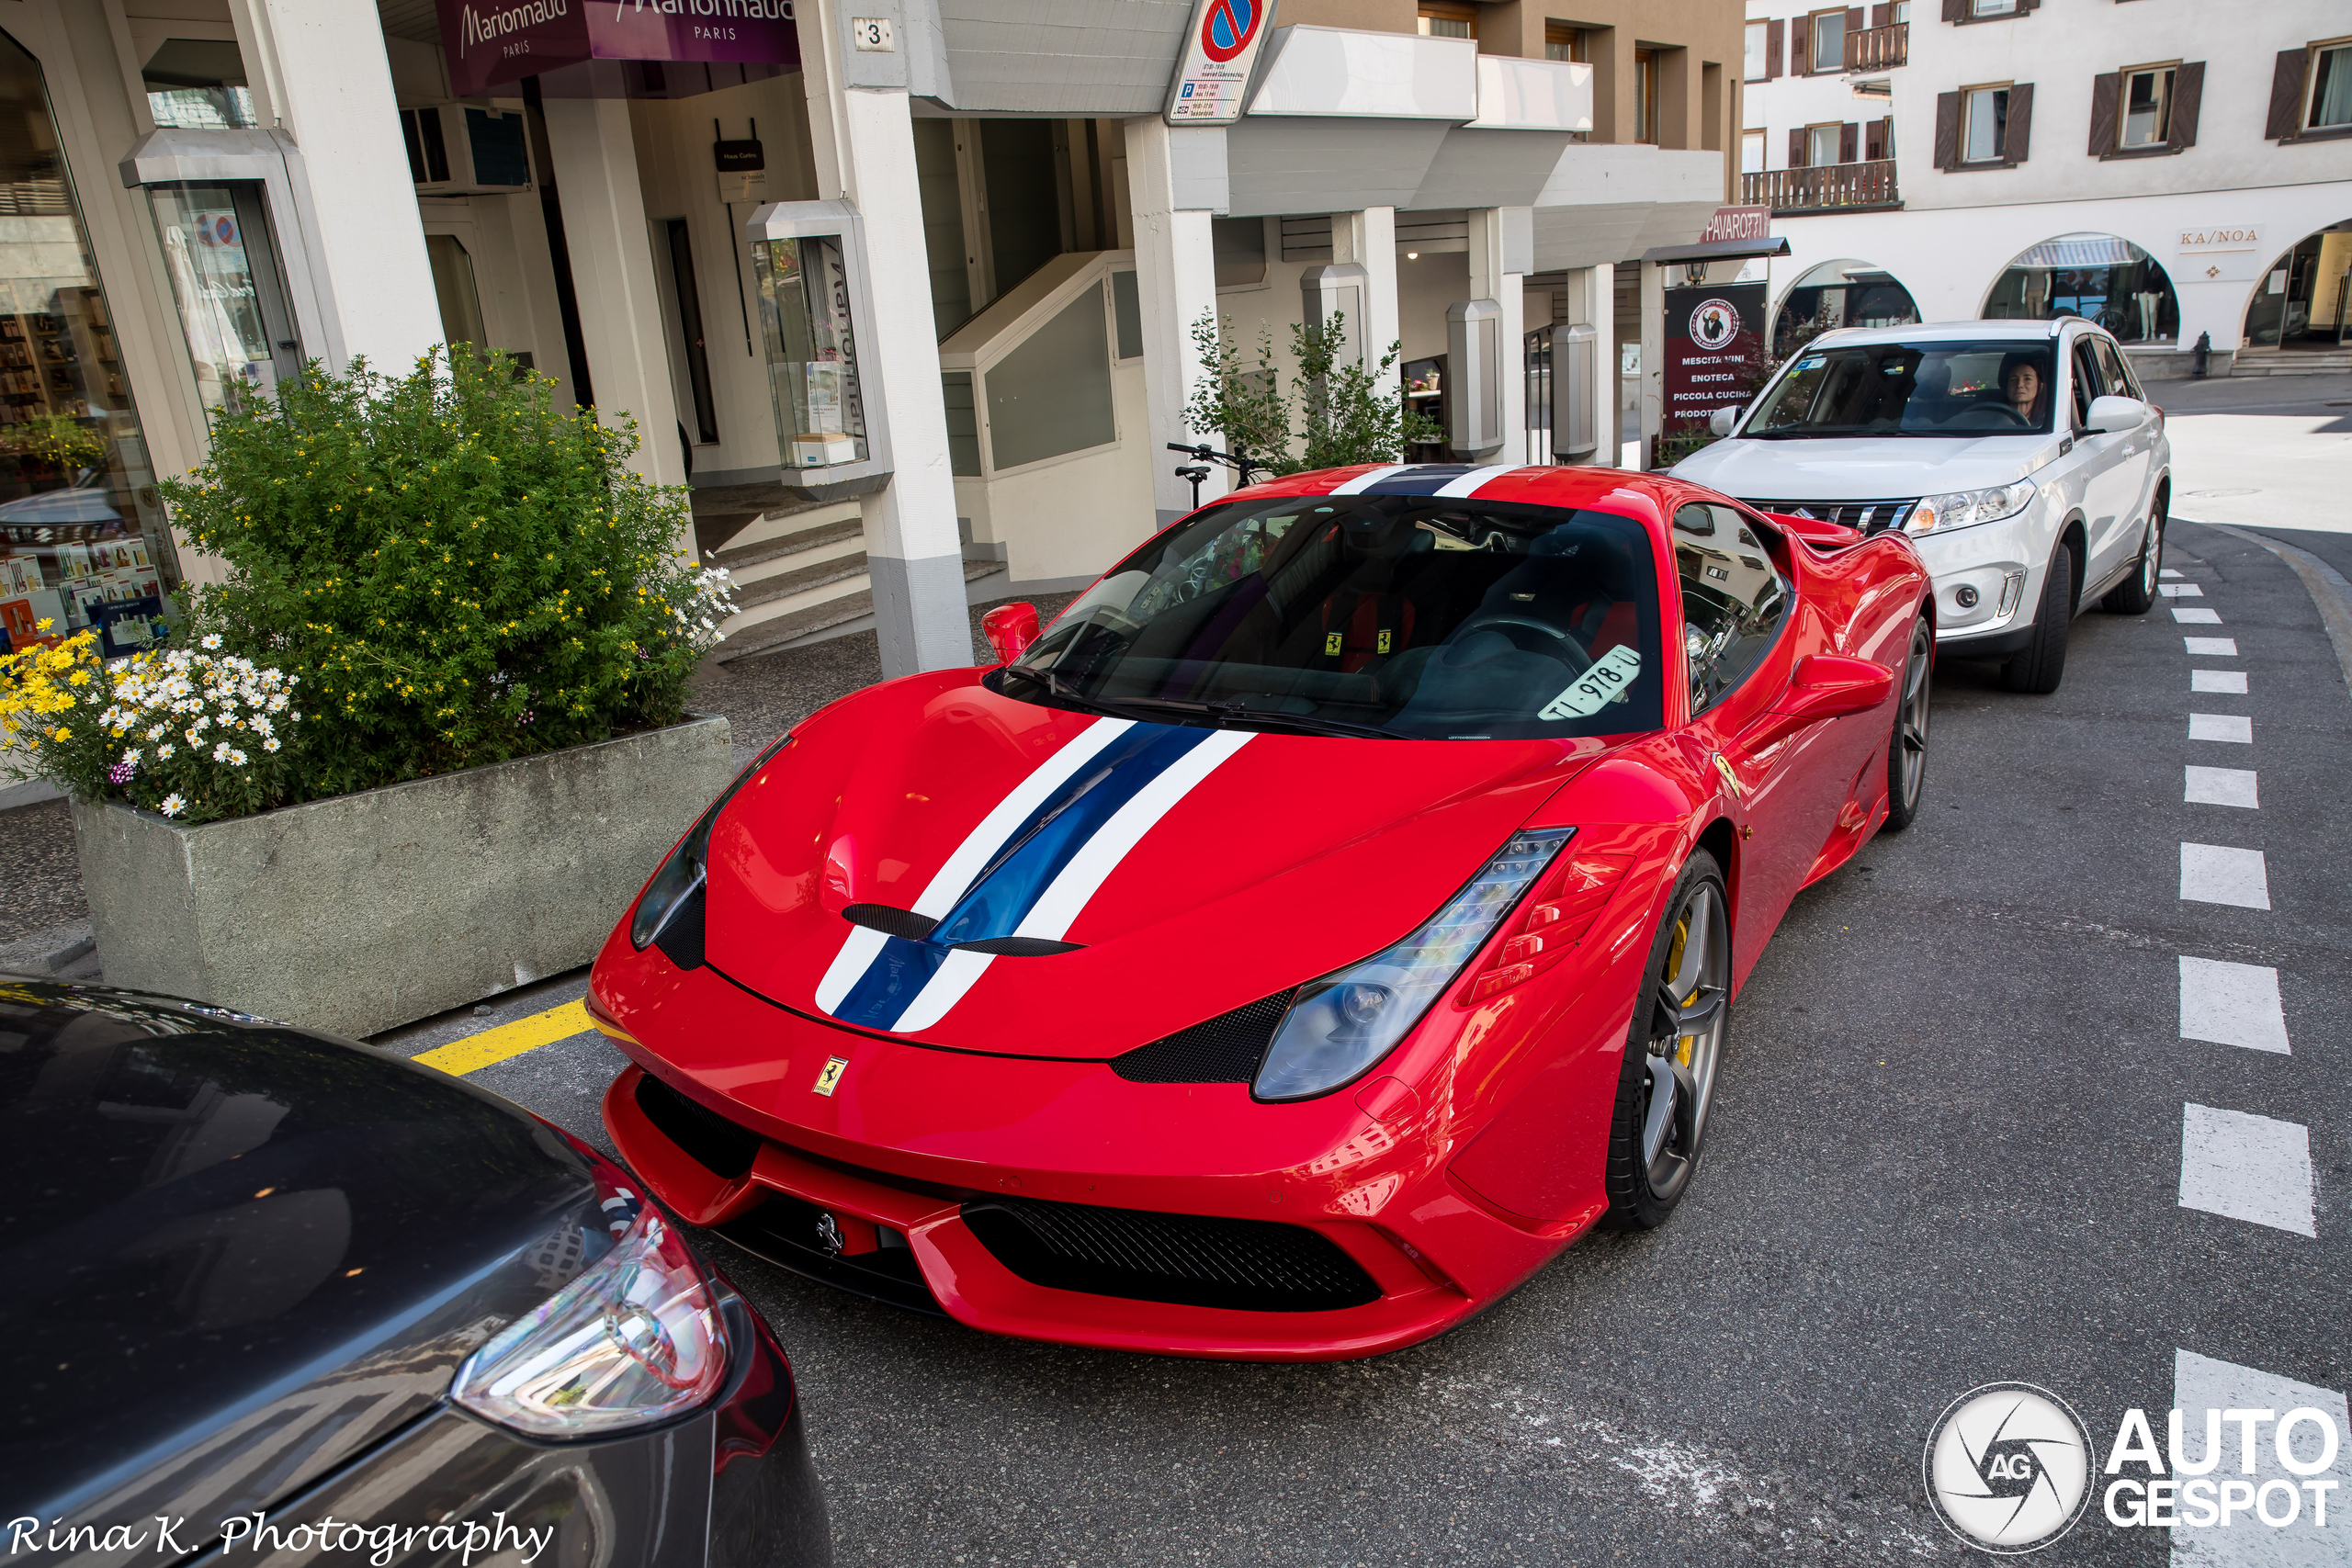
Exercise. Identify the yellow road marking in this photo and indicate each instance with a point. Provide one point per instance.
(478, 1050)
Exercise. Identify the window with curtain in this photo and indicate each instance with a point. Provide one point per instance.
(1439, 19)
(1828, 40)
(1821, 144)
(1751, 151)
(1562, 41)
(2146, 120)
(1986, 133)
(2331, 87)
(1754, 66)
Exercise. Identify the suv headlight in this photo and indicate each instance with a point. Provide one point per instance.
(1339, 1026)
(1941, 513)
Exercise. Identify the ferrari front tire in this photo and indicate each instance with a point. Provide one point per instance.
(1665, 1087)
(1906, 752)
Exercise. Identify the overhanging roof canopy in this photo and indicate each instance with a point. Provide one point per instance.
(1721, 250)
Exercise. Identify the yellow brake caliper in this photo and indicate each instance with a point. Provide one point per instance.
(1674, 966)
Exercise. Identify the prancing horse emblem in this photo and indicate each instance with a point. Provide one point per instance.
(828, 1235)
(830, 1076)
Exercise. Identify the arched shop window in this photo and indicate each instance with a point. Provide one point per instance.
(1840, 294)
(2095, 277)
(83, 540)
(2305, 298)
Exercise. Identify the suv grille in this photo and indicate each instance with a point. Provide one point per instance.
(716, 1144)
(1183, 1260)
(1866, 516)
(1226, 1049)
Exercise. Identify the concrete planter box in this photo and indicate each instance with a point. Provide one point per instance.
(369, 910)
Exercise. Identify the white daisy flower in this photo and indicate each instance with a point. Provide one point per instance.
(174, 803)
(211, 640)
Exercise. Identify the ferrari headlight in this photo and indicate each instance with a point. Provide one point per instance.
(1339, 1026)
(1941, 513)
(681, 876)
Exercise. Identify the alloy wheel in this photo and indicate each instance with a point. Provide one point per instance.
(1911, 722)
(1688, 1014)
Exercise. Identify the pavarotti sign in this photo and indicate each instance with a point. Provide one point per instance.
(488, 43)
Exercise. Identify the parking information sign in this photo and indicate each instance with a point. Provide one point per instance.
(1715, 343)
(1218, 51)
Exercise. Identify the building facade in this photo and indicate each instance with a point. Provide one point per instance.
(966, 244)
(2133, 164)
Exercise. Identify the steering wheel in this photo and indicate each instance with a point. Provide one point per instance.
(1563, 647)
(2016, 419)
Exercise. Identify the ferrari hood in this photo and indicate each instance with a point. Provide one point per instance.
(1873, 468)
(933, 860)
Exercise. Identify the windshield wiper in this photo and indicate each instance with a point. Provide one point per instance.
(1058, 688)
(1242, 713)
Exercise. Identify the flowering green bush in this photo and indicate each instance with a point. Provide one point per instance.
(454, 569)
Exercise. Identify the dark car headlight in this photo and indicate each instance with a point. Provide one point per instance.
(672, 902)
(1339, 1026)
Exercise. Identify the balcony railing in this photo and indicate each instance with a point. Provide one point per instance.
(1877, 48)
(1829, 188)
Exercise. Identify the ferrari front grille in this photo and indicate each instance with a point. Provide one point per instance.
(1183, 1259)
(1865, 516)
(709, 1139)
(1226, 1049)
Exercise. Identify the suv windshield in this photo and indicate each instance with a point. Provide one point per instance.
(1999, 388)
(1400, 615)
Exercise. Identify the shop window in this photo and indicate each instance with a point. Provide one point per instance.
(2331, 102)
(2146, 120)
(199, 84)
(83, 540)
(1445, 18)
(2098, 277)
(1829, 35)
(1051, 396)
(1987, 125)
(230, 293)
(1752, 66)
(1564, 42)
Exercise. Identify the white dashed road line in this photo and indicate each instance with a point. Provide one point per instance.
(2195, 615)
(2168, 573)
(2211, 874)
(2247, 1168)
(2211, 647)
(2220, 787)
(2229, 681)
(2245, 1408)
(2231, 726)
(2180, 591)
(2232, 1004)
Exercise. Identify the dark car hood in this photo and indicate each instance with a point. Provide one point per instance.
(233, 1256)
(1288, 856)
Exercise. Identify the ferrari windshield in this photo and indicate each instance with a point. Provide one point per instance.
(1377, 614)
(1997, 387)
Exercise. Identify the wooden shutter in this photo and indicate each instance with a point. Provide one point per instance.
(1854, 25)
(1774, 47)
(1796, 147)
(1800, 46)
(2105, 92)
(1881, 15)
(1947, 131)
(2025, 5)
(1955, 10)
(1847, 134)
(2287, 94)
(1873, 140)
(2187, 94)
(2020, 122)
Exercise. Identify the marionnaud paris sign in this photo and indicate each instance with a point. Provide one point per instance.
(492, 41)
(1218, 51)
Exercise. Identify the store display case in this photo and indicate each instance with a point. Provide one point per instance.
(810, 261)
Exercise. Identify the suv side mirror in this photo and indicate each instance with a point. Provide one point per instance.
(1010, 629)
(1722, 419)
(2111, 413)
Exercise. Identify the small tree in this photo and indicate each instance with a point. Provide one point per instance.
(1352, 415)
(1245, 406)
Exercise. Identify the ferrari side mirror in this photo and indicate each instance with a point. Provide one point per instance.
(1830, 685)
(1010, 629)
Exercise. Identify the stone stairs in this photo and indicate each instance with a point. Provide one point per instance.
(2290, 362)
(798, 569)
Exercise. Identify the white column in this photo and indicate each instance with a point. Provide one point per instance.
(611, 273)
(1369, 240)
(1176, 182)
(863, 143)
(1600, 300)
(1502, 244)
(322, 70)
(1653, 398)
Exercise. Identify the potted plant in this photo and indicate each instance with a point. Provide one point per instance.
(423, 740)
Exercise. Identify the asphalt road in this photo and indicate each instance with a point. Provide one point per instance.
(1948, 1151)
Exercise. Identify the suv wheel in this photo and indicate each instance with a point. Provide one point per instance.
(2042, 664)
(2136, 593)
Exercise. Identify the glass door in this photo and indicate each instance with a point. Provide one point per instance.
(232, 295)
(83, 543)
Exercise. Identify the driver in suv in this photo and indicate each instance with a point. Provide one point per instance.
(2022, 457)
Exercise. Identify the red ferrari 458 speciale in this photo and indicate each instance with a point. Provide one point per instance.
(1338, 909)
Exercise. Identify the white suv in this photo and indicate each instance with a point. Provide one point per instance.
(2022, 456)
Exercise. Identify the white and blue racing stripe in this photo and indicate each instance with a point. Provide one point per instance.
(1421, 478)
(1027, 870)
